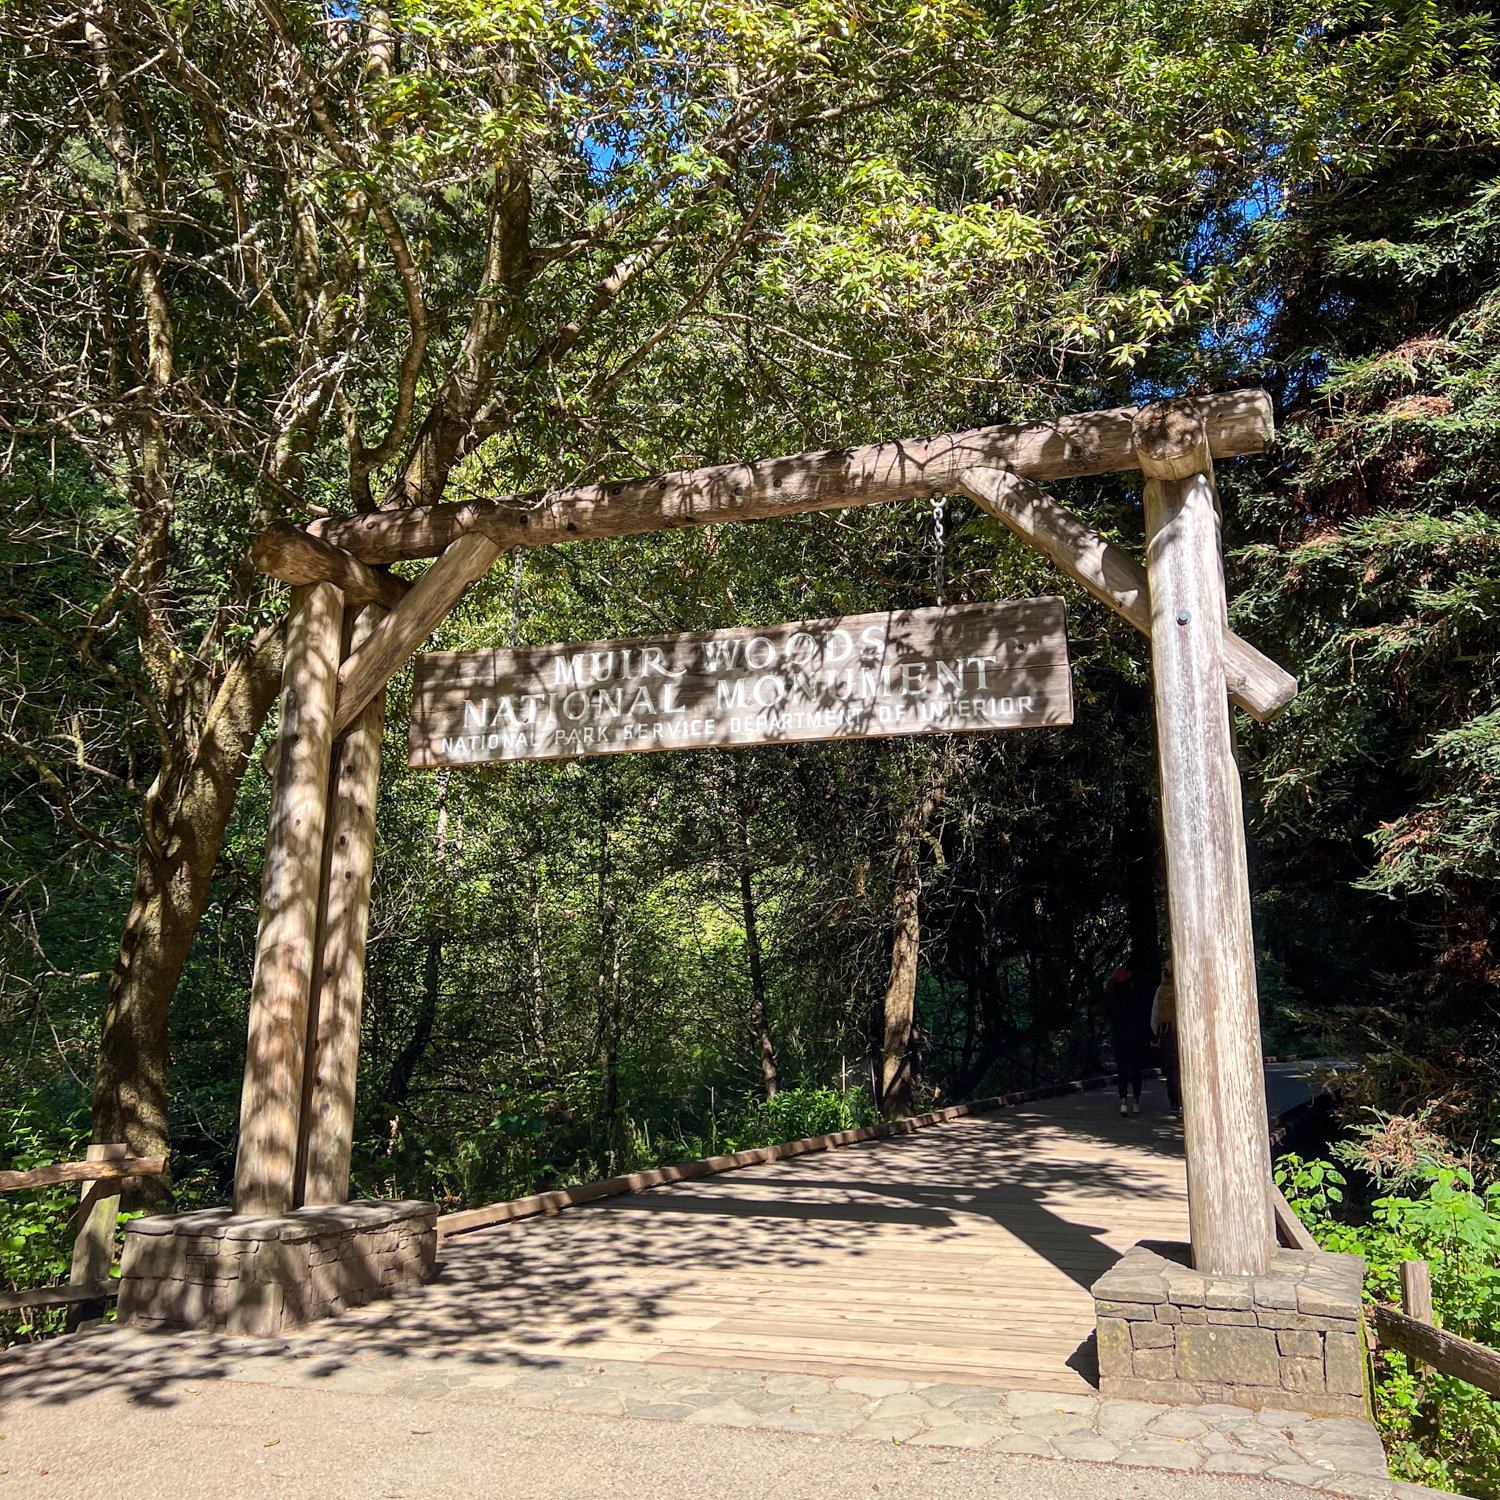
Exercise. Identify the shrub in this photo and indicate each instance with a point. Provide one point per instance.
(1438, 1431)
(793, 1114)
(35, 1235)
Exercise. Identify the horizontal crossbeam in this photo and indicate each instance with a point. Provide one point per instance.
(1100, 442)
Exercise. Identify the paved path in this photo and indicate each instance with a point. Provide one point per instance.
(217, 1441)
(835, 1324)
(130, 1379)
(962, 1252)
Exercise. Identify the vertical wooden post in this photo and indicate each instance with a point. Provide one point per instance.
(97, 1217)
(272, 1095)
(327, 1132)
(1208, 888)
(1416, 1290)
(1416, 1298)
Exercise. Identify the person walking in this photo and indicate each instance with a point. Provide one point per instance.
(1164, 1030)
(1129, 1032)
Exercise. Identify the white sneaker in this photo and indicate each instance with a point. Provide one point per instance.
(1124, 1107)
(1135, 1106)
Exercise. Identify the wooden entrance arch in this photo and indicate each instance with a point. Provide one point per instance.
(352, 626)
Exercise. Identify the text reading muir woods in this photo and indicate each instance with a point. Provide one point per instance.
(922, 671)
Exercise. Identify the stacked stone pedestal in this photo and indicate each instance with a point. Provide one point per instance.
(243, 1273)
(1293, 1338)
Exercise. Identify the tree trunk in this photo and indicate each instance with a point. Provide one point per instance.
(759, 1023)
(182, 827)
(540, 1030)
(1142, 918)
(404, 1069)
(608, 1020)
(898, 1069)
(901, 993)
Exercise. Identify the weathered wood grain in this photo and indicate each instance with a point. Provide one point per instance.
(83, 1171)
(369, 667)
(60, 1296)
(1098, 442)
(1208, 893)
(298, 557)
(1416, 1290)
(1416, 1296)
(1445, 1352)
(1171, 440)
(1256, 684)
(332, 1068)
(270, 1100)
(1290, 1230)
(965, 667)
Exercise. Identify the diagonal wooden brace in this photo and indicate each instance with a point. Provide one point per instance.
(371, 665)
(1112, 576)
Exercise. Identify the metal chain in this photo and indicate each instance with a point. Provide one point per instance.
(515, 601)
(940, 545)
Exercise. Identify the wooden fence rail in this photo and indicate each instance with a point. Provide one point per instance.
(1411, 1332)
(82, 1171)
(1446, 1352)
(89, 1284)
(1290, 1230)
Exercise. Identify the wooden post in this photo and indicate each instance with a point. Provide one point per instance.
(97, 1216)
(1416, 1297)
(1208, 888)
(332, 1068)
(271, 1098)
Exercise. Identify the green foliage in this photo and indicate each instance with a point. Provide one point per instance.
(792, 1115)
(1438, 1430)
(525, 1148)
(35, 1240)
(653, 236)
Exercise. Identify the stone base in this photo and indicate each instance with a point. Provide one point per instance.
(1293, 1338)
(242, 1273)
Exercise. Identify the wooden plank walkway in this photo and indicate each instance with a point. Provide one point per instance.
(963, 1252)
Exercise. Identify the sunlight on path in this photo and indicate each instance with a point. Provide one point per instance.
(962, 1252)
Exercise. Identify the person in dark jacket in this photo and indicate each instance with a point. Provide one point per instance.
(1130, 1031)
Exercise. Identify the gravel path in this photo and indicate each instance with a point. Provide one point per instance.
(228, 1416)
(227, 1439)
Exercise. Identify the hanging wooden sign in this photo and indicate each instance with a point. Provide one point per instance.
(964, 667)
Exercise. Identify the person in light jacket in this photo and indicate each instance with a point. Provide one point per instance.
(1164, 1029)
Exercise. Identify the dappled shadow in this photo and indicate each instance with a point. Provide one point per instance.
(947, 1249)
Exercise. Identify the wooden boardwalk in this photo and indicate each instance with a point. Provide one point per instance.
(963, 1252)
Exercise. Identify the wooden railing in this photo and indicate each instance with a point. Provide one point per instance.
(1290, 1230)
(1408, 1329)
(89, 1284)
